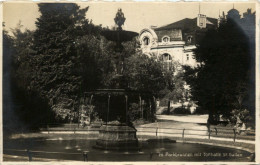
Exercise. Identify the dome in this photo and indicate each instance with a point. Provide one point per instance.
(233, 14)
(233, 11)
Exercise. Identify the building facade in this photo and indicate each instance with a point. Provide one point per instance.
(176, 41)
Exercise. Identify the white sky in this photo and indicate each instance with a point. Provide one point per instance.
(138, 15)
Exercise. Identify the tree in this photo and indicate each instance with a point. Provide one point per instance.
(223, 75)
(59, 28)
(8, 106)
(144, 73)
(96, 64)
(174, 88)
(130, 70)
(47, 63)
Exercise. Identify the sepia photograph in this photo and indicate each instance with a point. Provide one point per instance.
(129, 82)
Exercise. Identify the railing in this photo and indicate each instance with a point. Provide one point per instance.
(214, 132)
(183, 132)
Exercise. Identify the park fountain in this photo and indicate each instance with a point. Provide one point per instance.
(118, 133)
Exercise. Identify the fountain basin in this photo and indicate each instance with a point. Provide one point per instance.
(117, 137)
(55, 150)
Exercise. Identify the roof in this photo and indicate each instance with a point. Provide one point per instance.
(233, 11)
(186, 24)
(179, 30)
(174, 34)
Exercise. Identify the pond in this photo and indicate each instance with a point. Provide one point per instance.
(150, 151)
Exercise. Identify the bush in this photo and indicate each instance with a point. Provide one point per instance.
(242, 114)
(178, 110)
(181, 110)
(134, 112)
(200, 110)
(164, 102)
(165, 111)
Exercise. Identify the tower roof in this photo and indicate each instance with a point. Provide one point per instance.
(233, 14)
(233, 11)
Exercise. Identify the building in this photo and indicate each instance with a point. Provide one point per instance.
(176, 41)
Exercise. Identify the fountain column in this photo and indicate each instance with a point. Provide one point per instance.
(126, 108)
(108, 105)
(118, 133)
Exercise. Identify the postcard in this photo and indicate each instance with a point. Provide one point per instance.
(130, 82)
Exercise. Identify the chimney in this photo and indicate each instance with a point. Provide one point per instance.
(201, 21)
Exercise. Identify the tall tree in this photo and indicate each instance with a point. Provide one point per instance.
(51, 62)
(223, 75)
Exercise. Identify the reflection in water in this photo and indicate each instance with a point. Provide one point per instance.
(106, 152)
(160, 151)
(68, 146)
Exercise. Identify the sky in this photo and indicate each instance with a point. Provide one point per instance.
(138, 15)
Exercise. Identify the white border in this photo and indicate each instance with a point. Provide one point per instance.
(257, 146)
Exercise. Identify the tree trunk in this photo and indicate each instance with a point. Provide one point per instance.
(211, 117)
(168, 110)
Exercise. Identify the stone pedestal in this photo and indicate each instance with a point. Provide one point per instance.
(117, 137)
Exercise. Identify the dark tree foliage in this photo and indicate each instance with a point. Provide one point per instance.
(66, 56)
(8, 108)
(144, 74)
(174, 87)
(59, 29)
(139, 72)
(28, 108)
(96, 63)
(47, 65)
(222, 80)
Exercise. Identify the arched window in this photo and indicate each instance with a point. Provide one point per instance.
(146, 41)
(167, 61)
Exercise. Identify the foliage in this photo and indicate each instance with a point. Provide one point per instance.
(144, 73)
(27, 108)
(174, 88)
(66, 56)
(96, 65)
(199, 110)
(181, 110)
(49, 62)
(134, 112)
(241, 114)
(58, 29)
(223, 76)
(178, 110)
(8, 106)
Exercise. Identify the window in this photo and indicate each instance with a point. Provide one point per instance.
(187, 57)
(146, 41)
(166, 39)
(167, 61)
(189, 39)
(166, 57)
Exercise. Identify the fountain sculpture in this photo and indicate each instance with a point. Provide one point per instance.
(118, 133)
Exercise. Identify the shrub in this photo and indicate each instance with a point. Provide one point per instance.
(200, 110)
(242, 114)
(134, 112)
(181, 110)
